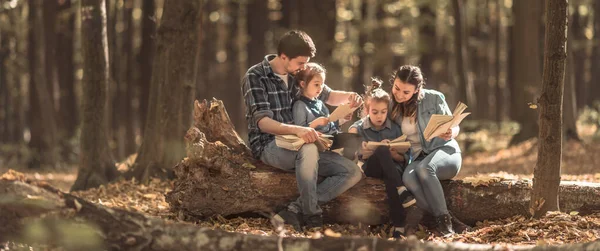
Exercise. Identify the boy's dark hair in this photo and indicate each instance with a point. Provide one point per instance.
(296, 43)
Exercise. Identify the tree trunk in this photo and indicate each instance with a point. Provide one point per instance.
(219, 177)
(257, 27)
(146, 59)
(5, 90)
(67, 112)
(172, 90)
(49, 17)
(427, 42)
(546, 175)
(595, 87)
(42, 119)
(97, 166)
(116, 229)
(569, 102)
(465, 82)
(525, 67)
(578, 24)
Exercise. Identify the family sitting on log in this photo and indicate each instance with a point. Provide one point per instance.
(286, 95)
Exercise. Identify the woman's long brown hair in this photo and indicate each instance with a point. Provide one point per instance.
(408, 74)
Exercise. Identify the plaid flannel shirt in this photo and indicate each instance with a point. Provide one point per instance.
(266, 95)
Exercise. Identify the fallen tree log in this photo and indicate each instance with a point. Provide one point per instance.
(220, 177)
(116, 229)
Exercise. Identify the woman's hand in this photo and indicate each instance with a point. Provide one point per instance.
(320, 121)
(450, 134)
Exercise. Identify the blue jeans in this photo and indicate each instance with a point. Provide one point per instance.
(340, 174)
(422, 177)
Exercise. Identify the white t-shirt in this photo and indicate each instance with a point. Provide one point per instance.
(412, 135)
(284, 78)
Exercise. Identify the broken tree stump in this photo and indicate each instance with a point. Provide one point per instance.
(219, 176)
(115, 229)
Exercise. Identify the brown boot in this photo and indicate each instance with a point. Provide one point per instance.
(444, 225)
(414, 215)
(459, 226)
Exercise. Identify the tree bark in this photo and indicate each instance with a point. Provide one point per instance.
(118, 229)
(49, 17)
(546, 175)
(146, 59)
(525, 67)
(219, 176)
(44, 142)
(173, 85)
(97, 166)
(465, 82)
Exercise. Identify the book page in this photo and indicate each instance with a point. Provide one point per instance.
(341, 112)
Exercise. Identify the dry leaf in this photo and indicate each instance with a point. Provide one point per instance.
(77, 205)
(331, 233)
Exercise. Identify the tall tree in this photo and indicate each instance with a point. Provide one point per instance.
(172, 90)
(570, 97)
(96, 166)
(465, 82)
(525, 69)
(595, 87)
(146, 58)
(42, 122)
(68, 113)
(427, 40)
(257, 28)
(546, 175)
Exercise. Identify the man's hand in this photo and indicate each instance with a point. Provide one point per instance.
(309, 135)
(355, 100)
(320, 121)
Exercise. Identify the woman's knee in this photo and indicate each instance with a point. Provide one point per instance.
(410, 180)
(424, 170)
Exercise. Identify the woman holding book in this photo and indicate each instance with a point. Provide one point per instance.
(439, 159)
(381, 159)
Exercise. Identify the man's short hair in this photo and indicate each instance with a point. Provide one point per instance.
(296, 43)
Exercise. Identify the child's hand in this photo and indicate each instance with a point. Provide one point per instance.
(320, 121)
(396, 156)
(364, 150)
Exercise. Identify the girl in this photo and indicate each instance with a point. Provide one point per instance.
(308, 110)
(438, 159)
(384, 163)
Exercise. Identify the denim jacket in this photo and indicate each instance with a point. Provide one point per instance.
(389, 131)
(433, 102)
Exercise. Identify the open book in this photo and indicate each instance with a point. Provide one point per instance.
(440, 124)
(399, 144)
(294, 143)
(341, 112)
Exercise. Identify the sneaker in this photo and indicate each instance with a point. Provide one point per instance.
(444, 225)
(313, 221)
(406, 197)
(398, 232)
(286, 216)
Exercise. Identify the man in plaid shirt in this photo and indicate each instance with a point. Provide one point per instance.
(269, 88)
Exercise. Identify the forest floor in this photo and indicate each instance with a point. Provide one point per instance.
(580, 162)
